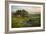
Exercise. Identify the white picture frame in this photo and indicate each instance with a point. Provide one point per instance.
(27, 29)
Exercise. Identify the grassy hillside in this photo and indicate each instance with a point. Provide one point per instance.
(33, 20)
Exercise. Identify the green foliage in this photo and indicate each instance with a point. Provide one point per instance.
(19, 22)
(22, 13)
(22, 21)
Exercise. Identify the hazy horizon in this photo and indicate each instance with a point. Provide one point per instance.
(29, 9)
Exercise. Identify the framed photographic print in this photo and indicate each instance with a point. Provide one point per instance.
(25, 17)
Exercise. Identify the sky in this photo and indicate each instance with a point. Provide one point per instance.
(29, 9)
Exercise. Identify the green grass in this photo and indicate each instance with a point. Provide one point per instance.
(21, 21)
